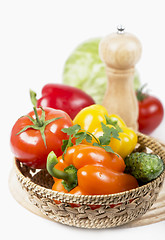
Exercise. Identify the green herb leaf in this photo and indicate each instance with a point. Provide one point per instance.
(108, 149)
(113, 122)
(115, 133)
(66, 144)
(107, 132)
(97, 144)
(80, 137)
(103, 141)
(72, 130)
(88, 138)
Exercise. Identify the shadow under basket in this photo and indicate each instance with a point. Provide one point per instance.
(91, 211)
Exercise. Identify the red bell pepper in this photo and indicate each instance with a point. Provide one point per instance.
(66, 98)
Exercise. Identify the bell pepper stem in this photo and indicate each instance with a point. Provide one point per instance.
(69, 175)
(51, 162)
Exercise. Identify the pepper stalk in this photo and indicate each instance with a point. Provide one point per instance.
(69, 175)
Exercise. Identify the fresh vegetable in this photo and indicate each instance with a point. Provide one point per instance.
(66, 98)
(144, 166)
(78, 135)
(85, 70)
(90, 170)
(151, 111)
(33, 136)
(93, 117)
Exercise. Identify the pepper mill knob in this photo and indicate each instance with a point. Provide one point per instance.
(120, 52)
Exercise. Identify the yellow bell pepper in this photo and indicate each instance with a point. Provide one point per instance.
(90, 119)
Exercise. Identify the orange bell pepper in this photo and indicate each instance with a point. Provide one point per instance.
(89, 170)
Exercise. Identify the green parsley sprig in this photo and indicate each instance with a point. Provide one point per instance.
(80, 134)
(113, 122)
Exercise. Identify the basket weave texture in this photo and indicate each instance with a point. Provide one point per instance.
(93, 211)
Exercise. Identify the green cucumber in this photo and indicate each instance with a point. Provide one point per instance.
(144, 166)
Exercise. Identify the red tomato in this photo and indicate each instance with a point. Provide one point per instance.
(67, 98)
(29, 146)
(150, 114)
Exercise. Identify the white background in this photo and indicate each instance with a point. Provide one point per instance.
(36, 37)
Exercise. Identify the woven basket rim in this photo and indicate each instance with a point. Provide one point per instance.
(70, 198)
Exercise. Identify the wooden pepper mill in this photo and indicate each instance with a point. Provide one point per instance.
(120, 52)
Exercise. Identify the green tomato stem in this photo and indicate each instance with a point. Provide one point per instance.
(34, 102)
(38, 121)
(33, 98)
(140, 93)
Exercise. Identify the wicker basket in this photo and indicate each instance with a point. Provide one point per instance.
(111, 210)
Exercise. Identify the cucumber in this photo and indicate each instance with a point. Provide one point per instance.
(144, 166)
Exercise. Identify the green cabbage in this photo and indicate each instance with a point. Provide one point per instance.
(85, 70)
